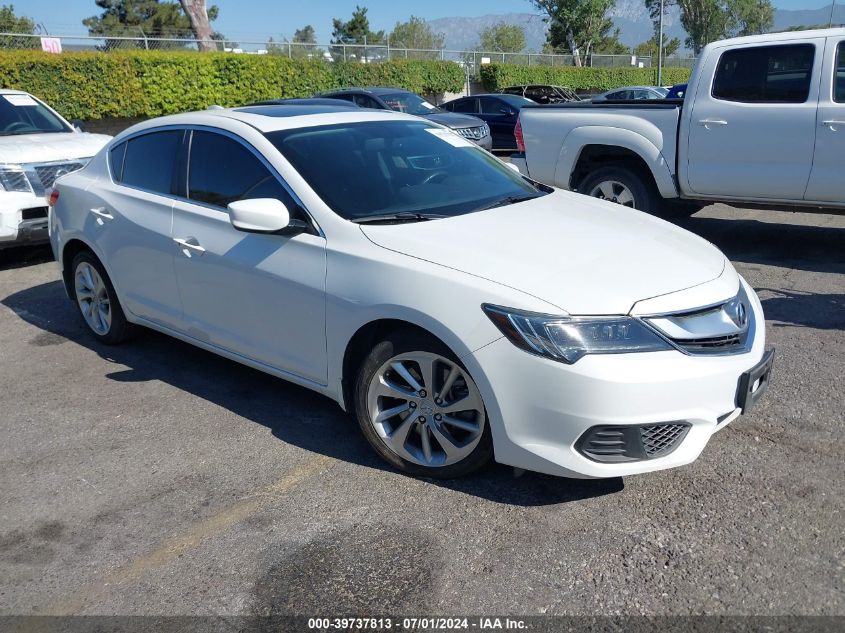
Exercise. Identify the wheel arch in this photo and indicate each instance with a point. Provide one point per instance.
(71, 249)
(589, 147)
(363, 340)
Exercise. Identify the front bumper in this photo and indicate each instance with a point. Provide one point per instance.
(23, 219)
(539, 409)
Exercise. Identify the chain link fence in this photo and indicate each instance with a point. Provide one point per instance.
(363, 53)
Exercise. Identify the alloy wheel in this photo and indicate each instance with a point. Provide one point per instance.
(614, 191)
(426, 409)
(92, 296)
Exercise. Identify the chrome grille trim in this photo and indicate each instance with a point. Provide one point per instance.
(724, 328)
(43, 175)
(473, 133)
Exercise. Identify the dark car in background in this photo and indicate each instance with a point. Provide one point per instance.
(499, 111)
(470, 127)
(543, 93)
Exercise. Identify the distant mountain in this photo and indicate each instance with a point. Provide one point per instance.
(630, 16)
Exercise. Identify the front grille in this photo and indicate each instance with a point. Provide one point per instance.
(473, 133)
(711, 344)
(614, 444)
(726, 328)
(661, 439)
(47, 174)
(35, 213)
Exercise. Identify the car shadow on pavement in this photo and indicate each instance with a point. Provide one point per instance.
(800, 246)
(294, 414)
(803, 309)
(21, 256)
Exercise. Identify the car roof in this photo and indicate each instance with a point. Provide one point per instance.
(784, 36)
(313, 101)
(9, 91)
(270, 118)
(374, 90)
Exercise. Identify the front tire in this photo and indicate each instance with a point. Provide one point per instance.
(420, 410)
(622, 185)
(97, 301)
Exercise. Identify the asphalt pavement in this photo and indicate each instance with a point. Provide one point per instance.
(155, 478)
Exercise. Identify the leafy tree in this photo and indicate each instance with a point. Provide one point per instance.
(144, 18)
(649, 47)
(576, 25)
(302, 45)
(11, 23)
(356, 30)
(609, 44)
(751, 17)
(415, 33)
(706, 21)
(502, 38)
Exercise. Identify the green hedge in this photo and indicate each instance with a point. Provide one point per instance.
(498, 76)
(145, 84)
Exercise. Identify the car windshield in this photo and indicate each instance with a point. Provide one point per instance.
(409, 103)
(22, 114)
(410, 169)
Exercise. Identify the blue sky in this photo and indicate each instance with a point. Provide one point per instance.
(259, 19)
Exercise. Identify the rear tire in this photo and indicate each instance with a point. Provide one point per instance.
(622, 185)
(97, 301)
(419, 408)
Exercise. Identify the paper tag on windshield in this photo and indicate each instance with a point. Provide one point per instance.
(453, 138)
(20, 100)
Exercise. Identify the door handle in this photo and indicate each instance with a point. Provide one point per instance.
(189, 246)
(101, 214)
(832, 124)
(708, 122)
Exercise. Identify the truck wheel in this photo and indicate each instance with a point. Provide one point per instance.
(623, 186)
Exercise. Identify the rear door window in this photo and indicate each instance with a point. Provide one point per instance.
(839, 76)
(765, 74)
(149, 161)
(464, 105)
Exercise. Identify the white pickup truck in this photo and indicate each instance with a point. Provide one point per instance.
(762, 122)
(36, 146)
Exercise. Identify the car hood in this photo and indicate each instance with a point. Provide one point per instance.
(452, 120)
(45, 148)
(585, 256)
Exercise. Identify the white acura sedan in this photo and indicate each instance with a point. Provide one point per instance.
(460, 311)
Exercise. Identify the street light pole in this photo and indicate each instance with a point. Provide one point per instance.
(660, 49)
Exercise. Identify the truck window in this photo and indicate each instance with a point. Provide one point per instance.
(765, 74)
(839, 78)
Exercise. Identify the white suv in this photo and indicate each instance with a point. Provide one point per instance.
(456, 308)
(36, 146)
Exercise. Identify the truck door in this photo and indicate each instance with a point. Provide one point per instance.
(827, 181)
(753, 128)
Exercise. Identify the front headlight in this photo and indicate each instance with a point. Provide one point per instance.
(13, 178)
(566, 339)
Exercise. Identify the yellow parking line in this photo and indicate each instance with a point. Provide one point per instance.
(177, 544)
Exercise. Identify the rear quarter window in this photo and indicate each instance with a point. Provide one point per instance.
(765, 74)
(116, 155)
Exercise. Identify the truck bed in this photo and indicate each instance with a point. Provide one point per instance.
(650, 124)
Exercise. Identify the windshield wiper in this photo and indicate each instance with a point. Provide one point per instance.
(505, 201)
(403, 216)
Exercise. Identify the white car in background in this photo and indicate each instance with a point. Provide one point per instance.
(457, 309)
(36, 146)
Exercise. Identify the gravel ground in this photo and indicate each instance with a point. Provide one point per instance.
(155, 478)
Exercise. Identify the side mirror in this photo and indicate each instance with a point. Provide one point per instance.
(78, 124)
(513, 168)
(263, 215)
